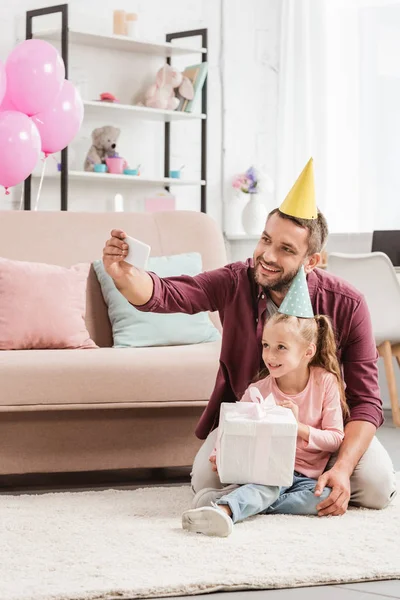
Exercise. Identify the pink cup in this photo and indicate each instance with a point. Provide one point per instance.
(116, 165)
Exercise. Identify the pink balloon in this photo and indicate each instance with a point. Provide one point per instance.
(19, 147)
(7, 104)
(3, 82)
(59, 124)
(35, 72)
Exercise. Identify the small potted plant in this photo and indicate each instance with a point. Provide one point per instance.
(246, 182)
(254, 183)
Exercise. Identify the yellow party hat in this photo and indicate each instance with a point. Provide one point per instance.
(300, 201)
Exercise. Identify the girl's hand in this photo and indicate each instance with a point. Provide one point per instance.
(293, 407)
(213, 461)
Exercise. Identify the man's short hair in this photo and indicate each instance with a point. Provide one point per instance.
(317, 228)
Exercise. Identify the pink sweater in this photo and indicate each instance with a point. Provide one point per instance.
(320, 409)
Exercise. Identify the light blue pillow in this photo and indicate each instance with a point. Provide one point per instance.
(131, 327)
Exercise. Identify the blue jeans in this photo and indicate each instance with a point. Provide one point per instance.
(297, 499)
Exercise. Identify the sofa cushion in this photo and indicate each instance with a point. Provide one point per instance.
(167, 233)
(108, 376)
(97, 320)
(42, 306)
(133, 328)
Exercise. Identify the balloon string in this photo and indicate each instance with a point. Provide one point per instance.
(40, 185)
(7, 191)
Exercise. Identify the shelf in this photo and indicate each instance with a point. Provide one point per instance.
(153, 114)
(242, 237)
(119, 42)
(128, 179)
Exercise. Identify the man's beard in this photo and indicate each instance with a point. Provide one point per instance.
(282, 285)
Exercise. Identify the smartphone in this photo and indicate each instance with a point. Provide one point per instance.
(138, 253)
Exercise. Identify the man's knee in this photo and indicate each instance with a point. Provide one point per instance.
(204, 477)
(373, 483)
(373, 490)
(202, 474)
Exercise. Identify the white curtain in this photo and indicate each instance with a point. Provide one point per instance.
(301, 95)
(339, 101)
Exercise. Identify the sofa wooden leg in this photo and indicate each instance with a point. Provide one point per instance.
(385, 351)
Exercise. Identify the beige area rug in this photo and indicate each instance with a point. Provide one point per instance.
(129, 544)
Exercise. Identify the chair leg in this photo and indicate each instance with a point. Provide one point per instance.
(385, 351)
(396, 352)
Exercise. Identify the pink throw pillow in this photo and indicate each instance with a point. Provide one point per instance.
(42, 306)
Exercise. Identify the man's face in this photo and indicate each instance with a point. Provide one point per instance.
(280, 253)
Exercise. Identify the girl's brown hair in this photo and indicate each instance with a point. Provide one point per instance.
(317, 331)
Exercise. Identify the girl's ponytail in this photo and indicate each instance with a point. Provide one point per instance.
(325, 356)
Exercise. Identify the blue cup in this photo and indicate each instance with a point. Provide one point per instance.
(131, 172)
(175, 174)
(100, 168)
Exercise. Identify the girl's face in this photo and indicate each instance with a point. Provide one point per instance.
(284, 350)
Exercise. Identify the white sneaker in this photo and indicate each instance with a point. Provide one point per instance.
(209, 520)
(207, 496)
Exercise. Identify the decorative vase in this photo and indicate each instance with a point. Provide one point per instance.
(254, 215)
(233, 214)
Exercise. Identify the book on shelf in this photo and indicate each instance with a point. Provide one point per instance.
(181, 99)
(197, 75)
(192, 74)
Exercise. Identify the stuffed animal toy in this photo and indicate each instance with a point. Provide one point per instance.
(104, 145)
(161, 94)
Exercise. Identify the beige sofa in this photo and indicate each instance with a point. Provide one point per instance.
(85, 410)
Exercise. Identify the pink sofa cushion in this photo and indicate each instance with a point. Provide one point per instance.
(42, 306)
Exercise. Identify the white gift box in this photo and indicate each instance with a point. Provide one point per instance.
(256, 442)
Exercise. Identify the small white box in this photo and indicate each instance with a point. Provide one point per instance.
(256, 443)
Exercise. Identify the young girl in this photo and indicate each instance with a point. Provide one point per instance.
(304, 376)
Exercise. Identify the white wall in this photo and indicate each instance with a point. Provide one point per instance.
(250, 87)
(380, 116)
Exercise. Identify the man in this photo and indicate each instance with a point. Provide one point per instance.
(244, 294)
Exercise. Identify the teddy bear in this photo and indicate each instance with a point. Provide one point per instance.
(104, 145)
(162, 95)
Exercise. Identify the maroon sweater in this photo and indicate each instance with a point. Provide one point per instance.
(242, 307)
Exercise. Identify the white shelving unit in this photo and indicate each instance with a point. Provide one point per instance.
(240, 247)
(127, 179)
(169, 49)
(120, 42)
(142, 112)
